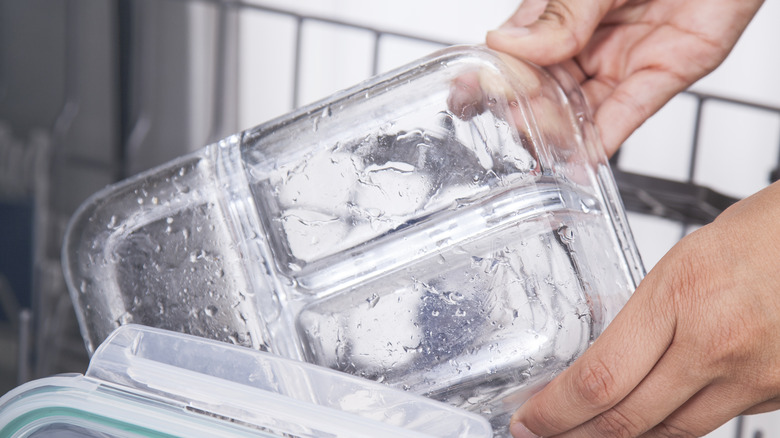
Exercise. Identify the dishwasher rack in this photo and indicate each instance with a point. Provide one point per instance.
(121, 108)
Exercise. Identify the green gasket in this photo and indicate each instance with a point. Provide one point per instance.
(65, 412)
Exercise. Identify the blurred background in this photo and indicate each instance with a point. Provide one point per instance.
(93, 91)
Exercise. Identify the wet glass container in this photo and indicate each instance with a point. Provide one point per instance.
(451, 228)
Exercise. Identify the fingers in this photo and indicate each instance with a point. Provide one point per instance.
(607, 372)
(466, 99)
(558, 32)
(471, 92)
(621, 109)
(528, 12)
(671, 380)
(708, 351)
(653, 415)
(677, 398)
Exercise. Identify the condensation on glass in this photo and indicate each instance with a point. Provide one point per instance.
(451, 228)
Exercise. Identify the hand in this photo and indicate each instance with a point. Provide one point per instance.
(696, 345)
(631, 56)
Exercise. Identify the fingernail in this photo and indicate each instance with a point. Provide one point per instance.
(519, 431)
(513, 32)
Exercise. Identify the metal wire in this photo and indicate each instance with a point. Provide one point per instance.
(683, 201)
(686, 201)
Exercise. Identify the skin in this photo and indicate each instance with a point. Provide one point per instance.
(631, 57)
(699, 341)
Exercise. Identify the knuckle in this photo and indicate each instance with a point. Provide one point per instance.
(664, 430)
(558, 12)
(614, 423)
(562, 17)
(597, 385)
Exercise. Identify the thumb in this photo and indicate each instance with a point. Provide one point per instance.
(560, 30)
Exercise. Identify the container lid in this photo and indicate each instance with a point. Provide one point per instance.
(150, 382)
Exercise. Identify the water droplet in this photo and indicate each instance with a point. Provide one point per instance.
(435, 313)
(169, 220)
(112, 222)
(566, 234)
(453, 297)
(372, 300)
(140, 201)
(587, 204)
(211, 310)
(125, 318)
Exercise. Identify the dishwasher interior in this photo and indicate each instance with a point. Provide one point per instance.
(92, 93)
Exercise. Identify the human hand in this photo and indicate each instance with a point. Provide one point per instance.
(631, 56)
(696, 345)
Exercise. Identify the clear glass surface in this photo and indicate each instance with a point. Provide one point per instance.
(451, 228)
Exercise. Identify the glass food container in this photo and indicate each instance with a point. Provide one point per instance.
(145, 382)
(451, 228)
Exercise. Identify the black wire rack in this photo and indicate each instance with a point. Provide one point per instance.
(134, 61)
(683, 201)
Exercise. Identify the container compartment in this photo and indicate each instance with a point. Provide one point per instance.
(451, 228)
